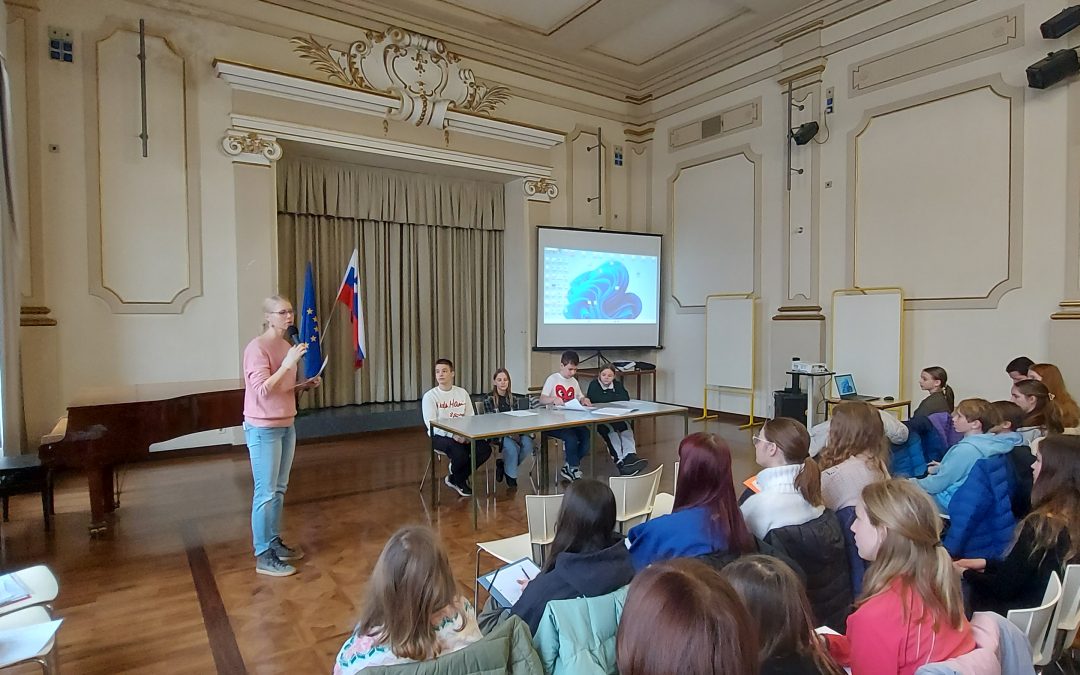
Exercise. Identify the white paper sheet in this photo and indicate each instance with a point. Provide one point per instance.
(12, 590)
(520, 413)
(503, 582)
(613, 412)
(19, 644)
(573, 404)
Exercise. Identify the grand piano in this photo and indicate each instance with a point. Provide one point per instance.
(116, 425)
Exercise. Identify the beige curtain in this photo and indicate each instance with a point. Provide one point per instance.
(430, 289)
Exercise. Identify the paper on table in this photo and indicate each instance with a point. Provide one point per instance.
(12, 590)
(520, 413)
(632, 403)
(574, 404)
(503, 582)
(615, 412)
(25, 642)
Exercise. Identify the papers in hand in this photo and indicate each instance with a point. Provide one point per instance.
(573, 404)
(12, 590)
(520, 413)
(503, 582)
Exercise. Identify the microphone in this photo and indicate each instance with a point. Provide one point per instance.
(292, 335)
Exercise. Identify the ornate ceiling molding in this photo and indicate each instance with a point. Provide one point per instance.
(540, 189)
(419, 70)
(250, 147)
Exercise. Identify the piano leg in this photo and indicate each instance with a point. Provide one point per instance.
(112, 501)
(99, 481)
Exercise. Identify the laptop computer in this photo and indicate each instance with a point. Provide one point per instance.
(845, 386)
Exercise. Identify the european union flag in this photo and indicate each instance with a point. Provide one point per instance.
(309, 328)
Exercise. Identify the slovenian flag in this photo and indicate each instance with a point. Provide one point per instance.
(349, 295)
(309, 328)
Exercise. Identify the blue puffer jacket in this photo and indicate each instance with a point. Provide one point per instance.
(982, 521)
(908, 459)
(958, 461)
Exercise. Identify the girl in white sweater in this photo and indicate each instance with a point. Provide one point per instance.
(789, 483)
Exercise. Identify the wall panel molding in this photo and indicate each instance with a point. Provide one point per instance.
(147, 258)
(742, 117)
(698, 267)
(982, 38)
(898, 194)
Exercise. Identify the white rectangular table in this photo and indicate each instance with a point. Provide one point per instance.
(481, 427)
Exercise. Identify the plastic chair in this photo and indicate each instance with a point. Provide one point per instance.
(1067, 616)
(40, 582)
(1035, 622)
(30, 616)
(634, 497)
(541, 511)
(663, 504)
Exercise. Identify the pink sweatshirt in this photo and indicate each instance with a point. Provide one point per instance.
(262, 408)
(880, 642)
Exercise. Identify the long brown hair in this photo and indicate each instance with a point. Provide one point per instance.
(855, 428)
(1055, 383)
(705, 480)
(495, 390)
(777, 602)
(682, 618)
(793, 441)
(1045, 414)
(938, 373)
(411, 582)
(911, 551)
(1055, 497)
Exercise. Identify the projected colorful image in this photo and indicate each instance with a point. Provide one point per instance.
(599, 287)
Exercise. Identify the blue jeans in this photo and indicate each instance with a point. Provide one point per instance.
(271, 450)
(515, 450)
(576, 440)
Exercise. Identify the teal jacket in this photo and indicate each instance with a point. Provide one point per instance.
(957, 462)
(506, 650)
(577, 637)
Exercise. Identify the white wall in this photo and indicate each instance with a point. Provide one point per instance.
(941, 234)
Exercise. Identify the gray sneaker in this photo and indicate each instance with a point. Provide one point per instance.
(283, 552)
(269, 564)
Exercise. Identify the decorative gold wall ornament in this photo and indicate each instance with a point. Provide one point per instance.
(417, 69)
(540, 189)
(251, 147)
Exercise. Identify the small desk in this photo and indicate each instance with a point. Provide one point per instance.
(479, 427)
(879, 403)
(637, 374)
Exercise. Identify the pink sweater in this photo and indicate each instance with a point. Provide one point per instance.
(880, 642)
(263, 408)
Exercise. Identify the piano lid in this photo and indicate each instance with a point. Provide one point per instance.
(157, 391)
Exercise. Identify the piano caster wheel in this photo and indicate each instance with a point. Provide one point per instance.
(97, 530)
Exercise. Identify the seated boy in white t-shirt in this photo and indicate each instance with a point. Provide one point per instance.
(560, 388)
(446, 401)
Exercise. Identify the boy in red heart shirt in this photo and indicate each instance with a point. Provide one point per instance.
(559, 388)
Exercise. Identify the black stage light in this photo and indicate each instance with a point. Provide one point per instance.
(1053, 69)
(805, 133)
(1061, 23)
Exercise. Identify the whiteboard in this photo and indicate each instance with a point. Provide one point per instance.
(729, 342)
(867, 336)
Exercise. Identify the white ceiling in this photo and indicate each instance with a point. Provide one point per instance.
(622, 48)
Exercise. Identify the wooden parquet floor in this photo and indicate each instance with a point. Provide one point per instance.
(172, 587)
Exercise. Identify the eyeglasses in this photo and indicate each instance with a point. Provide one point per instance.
(764, 440)
(284, 312)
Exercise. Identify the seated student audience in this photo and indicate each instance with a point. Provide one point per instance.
(618, 436)
(1018, 369)
(974, 418)
(774, 596)
(853, 456)
(411, 610)
(896, 432)
(1041, 414)
(516, 448)
(682, 618)
(1048, 374)
(934, 380)
(705, 517)
(559, 388)
(1020, 457)
(910, 612)
(1047, 540)
(587, 558)
(789, 483)
(789, 516)
(446, 401)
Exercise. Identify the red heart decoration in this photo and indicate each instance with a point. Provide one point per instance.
(565, 393)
